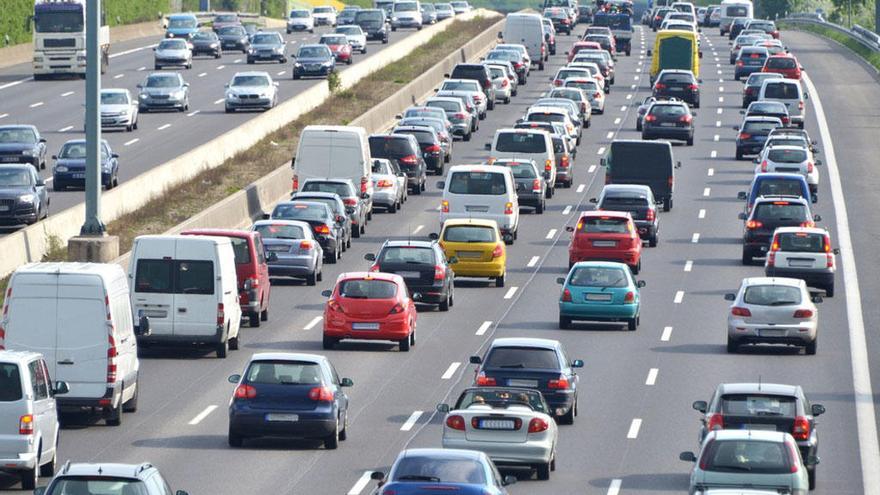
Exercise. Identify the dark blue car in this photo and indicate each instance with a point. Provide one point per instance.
(532, 363)
(463, 472)
(752, 134)
(289, 395)
(70, 166)
(776, 184)
(314, 60)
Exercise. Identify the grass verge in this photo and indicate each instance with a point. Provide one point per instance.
(869, 55)
(185, 200)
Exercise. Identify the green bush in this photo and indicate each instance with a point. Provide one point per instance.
(127, 12)
(506, 5)
(15, 21)
(190, 5)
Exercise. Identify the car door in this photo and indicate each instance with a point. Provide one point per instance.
(44, 413)
(198, 289)
(262, 268)
(339, 392)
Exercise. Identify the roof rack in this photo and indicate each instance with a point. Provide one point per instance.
(143, 467)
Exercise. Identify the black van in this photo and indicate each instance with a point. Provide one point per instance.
(648, 163)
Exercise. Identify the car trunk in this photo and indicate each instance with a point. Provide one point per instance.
(470, 252)
(283, 397)
(367, 309)
(483, 424)
(412, 273)
(522, 377)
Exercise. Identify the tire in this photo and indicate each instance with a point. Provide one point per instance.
(264, 315)
(356, 232)
(810, 349)
(404, 344)
(233, 344)
(132, 404)
(223, 349)
(567, 418)
(234, 439)
(491, 105)
(690, 141)
(811, 477)
(540, 208)
(732, 346)
(328, 342)
(467, 137)
(115, 416)
(564, 322)
(739, 155)
(746, 257)
(652, 241)
(499, 281)
(331, 260)
(636, 269)
(254, 319)
(632, 324)
(48, 470)
(444, 305)
(667, 204)
(541, 66)
(639, 126)
(29, 478)
(311, 279)
(542, 471)
(829, 290)
(392, 208)
(331, 442)
(296, 77)
(549, 193)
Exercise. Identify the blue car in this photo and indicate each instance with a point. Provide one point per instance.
(313, 60)
(289, 395)
(182, 26)
(599, 291)
(776, 184)
(463, 472)
(752, 134)
(70, 166)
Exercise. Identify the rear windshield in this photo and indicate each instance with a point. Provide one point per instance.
(737, 11)
(759, 127)
(280, 231)
(758, 405)
(408, 254)
(545, 117)
(367, 289)
(668, 110)
(469, 233)
(501, 398)
(10, 383)
(103, 485)
(423, 137)
(598, 276)
(783, 211)
(486, 183)
(611, 202)
(469, 73)
(284, 373)
(460, 85)
(746, 456)
(300, 212)
(801, 242)
(676, 77)
(448, 106)
(174, 276)
(768, 107)
(497, 72)
(588, 86)
(343, 190)
(772, 295)
(522, 170)
(390, 147)
(782, 91)
(521, 142)
(522, 357)
(605, 225)
(784, 187)
(787, 156)
(566, 73)
(781, 63)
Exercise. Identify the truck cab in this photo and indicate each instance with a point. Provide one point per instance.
(60, 39)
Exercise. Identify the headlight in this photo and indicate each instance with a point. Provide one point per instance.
(178, 95)
(60, 168)
(279, 49)
(297, 64)
(215, 44)
(251, 50)
(328, 63)
(144, 96)
(230, 96)
(27, 198)
(27, 152)
(395, 19)
(170, 35)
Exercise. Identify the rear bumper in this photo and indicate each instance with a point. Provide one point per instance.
(111, 399)
(184, 340)
(509, 454)
(630, 257)
(753, 333)
(667, 132)
(388, 330)
(811, 277)
(22, 462)
(253, 423)
(292, 267)
(598, 312)
(478, 268)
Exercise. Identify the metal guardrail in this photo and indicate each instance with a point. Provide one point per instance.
(865, 37)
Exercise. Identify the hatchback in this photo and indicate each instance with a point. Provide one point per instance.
(475, 247)
(531, 184)
(432, 150)
(404, 150)
(88, 478)
(505, 81)
(423, 266)
(749, 60)
(592, 89)
(389, 185)
(678, 83)
(605, 236)
(233, 38)
(769, 213)
(289, 395)
(70, 166)
(456, 112)
(337, 207)
(520, 65)
(479, 73)
(441, 126)
(24, 198)
(785, 64)
(765, 108)
(669, 120)
(327, 228)
(357, 204)
(752, 133)
(793, 160)
(339, 46)
(638, 201)
(248, 90)
(174, 52)
(267, 46)
(370, 306)
(804, 253)
(292, 249)
(599, 291)
(419, 471)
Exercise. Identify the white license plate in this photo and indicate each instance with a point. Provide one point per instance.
(800, 263)
(364, 326)
(496, 424)
(9, 159)
(598, 297)
(282, 417)
(409, 274)
(770, 332)
(477, 209)
(676, 89)
(278, 247)
(79, 176)
(522, 383)
(667, 124)
(469, 254)
(605, 243)
(757, 426)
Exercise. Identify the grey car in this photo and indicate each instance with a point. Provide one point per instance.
(173, 52)
(456, 112)
(291, 249)
(234, 38)
(22, 144)
(23, 195)
(162, 91)
(389, 185)
(531, 184)
(357, 206)
(268, 46)
(143, 479)
(206, 43)
(336, 205)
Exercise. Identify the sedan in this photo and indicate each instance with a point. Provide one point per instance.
(370, 306)
(234, 38)
(513, 426)
(773, 310)
(337, 208)
(678, 83)
(174, 52)
(206, 43)
(419, 471)
(601, 291)
(300, 20)
(249, 90)
(313, 60)
(592, 88)
(475, 248)
(118, 109)
(70, 166)
(752, 133)
(162, 91)
(23, 195)
(327, 228)
(339, 46)
(605, 235)
(291, 249)
(785, 64)
(267, 46)
(22, 144)
(669, 120)
(423, 266)
(356, 37)
(289, 395)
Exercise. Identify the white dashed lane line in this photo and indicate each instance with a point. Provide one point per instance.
(510, 292)
(118, 76)
(550, 234)
(129, 143)
(614, 487)
(193, 113)
(617, 121)
(65, 129)
(361, 483)
(695, 238)
(581, 188)
(701, 214)
(411, 421)
(713, 154)
(217, 102)
(202, 415)
(652, 377)
(3, 115)
(591, 170)
(716, 137)
(450, 371)
(310, 325)
(567, 209)
(484, 327)
(609, 135)
(221, 67)
(203, 74)
(679, 297)
(707, 191)
(418, 229)
(600, 151)
(710, 172)
(688, 265)
(666, 335)
(163, 127)
(634, 427)
(532, 262)
(37, 104)
(63, 95)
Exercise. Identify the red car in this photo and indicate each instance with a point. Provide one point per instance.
(370, 306)
(785, 64)
(605, 236)
(252, 269)
(582, 45)
(339, 46)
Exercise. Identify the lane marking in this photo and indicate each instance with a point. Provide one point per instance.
(666, 335)
(202, 415)
(580, 188)
(623, 108)
(609, 135)
(614, 487)
(713, 154)
(63, 95)
(636, 78)
(280, 73)
(634, 86)
(217, 102)
(591, 170)
(118, 76)
(361, 483)
(37, 104)
(721, 89)
(236, 61)
(3, 116)
(417, 229)
(720, 99)
(411, 421)
(720, 111)
(717, 123)
(203, 74)
(310, 325)
(707, 191)
(193, 113)
(702, 213)
(129, 143)
(65, 129)
(688, 265)
(133, 50)
(617, 121)
(716, 137)
(695, 238)
(450, 370)
(142, 68)
(566, 210)
(485, 326)
(710, 172)
(600, 151)
(652, 377)
(510, 292)
(679, 296)
(221, 67)
(550, 234)
(633, 432)
(629, 97)
(534, 261)
(163, 127)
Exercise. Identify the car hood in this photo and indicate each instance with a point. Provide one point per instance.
(172, 53)
(7, 192)
(249, 89)
(204, 42)
(322, 14)
(356, 37)
(300, 20)
(7, 147)
(266, 46)
(105, 108)
(313, 60)
(184, 31)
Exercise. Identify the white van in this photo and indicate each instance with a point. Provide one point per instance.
(527, 30)
(788, 91)
(529, 144)
(78, 316)
(481, 191)
(731, 9)
(187, 287)
(334, 152)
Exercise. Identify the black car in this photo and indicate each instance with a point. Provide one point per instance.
(357, 205)
(313, 60)
(70, 166)
(479, 73)
(767, 108)
(638, 201)
(206, 43)
(769, 213)
(585, 14)
(374, 23)
(752, 134)
(336, 205)
(669, 120)
(777, 407)
(680, 84)
(22, 144)
(347, 15)
(560, 19)
(531, 185)
(753, 86)
(267, 46)
(23, 195)
(423, 267)
(738, 24)
(429, 142)
(327, 227)
(404, 150)
(234, 38)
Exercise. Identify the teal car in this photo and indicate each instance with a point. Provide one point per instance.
(599, 291)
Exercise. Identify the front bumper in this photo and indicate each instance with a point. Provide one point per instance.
(76, 179)
(248, 102)
(299, 27)
(164, 62)
(232, 45)
(110, 122)
(309, 70)
(150, 103)
(401, 23)
(267, 56)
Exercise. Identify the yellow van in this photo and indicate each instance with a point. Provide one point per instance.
(675, 49)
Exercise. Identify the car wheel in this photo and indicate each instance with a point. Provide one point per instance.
(356, 232)
(132, 404)
(540, 208)
(444, 305)
(404, 344)
(331, 442)
(667, 204)
(637, 268)
(222, 349)
(746, 257)
(653, 240)
(829, 290)
(567, 418)
(549, 192)
(234, 439)
(564, 322)
(264, 315)
(811, 477)
(233, 344)
(229, 109)
(543, 471)
(732, 346)
(331, 259)
(29, 478)
(254, 319)
(48, 469)
(639, 126)
(328, 342)
(114, 418)
(467, 137)
(810, 349)
(632, 324)
(739, 155)
(690, 141)
(499, 281)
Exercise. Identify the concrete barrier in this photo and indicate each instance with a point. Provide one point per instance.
(31, 243)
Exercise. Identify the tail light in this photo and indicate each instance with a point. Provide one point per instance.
(504, 83)
(792, 455)
(409, 160)
(548, 165)
(566, 295)
(518, 65)
(670, 181)
(557, 82)
(829, 260)
(322, 229)
(396, 310)
(597, 95)
(749, 90)
(295, 186)
(221, 315)
(659, 86)
(487, 83)
(111, 359)
(374, 268)
(469, 108)
(566, 21)
(565, 161)
(251, 283)
(485, 381)
(460, 115)
(808, 224)
(560, 383)
(455, 422)
(754, 224)
(693, 87)
(771, 258)
(306, 244)
(630, 297)
(537, 425)
(478, 98)
(740, 63)
(784, 119)
(434, 148)
(738, 311)
(439, 273)
(801, 105)
(245, 391)
(536, 185)
(801, 428)
(744, 135)
(764, 166)
(715, 422)
(686, 119)
(650, 215)
(803, 313)
(26, 425)
(650, 118)
(384, 184)
(350, 201)
(498, 251)
(774, 246)
(508, 208)
(444, 206)
(321, 394)
(809, 167)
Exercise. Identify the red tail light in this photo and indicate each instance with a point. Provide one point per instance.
(693, 87)
(469, 108)
(565, 161)
(409, 160)
(245, 391)
(396, 310)
(26, 425)
(650, 215)
(374, 268)
(508, 208)
(597, 94)
(434, 148)
(754, 224)
(749, 90)
(306, 244)
(444, 206)
(650, 118)
(810, 167)
(771, 258)
(561, 383)
(517, 65)
(740, 63)
(350, 201)
(485, 381)
(504, 83)
(630, 297)
(785, 120)
(659, 86)
(321, 394)
(801, 105)
(774, 246)
(439, 273)
(715, 422)
(322, 229)
(670, 180)
(764, 166)
(536, 185)
(498, 251)
(295, 186)
(808, 224)
(537, 425)
(455, 422)
(738, 311)
(744, 135)
(384, 184)
(557, 82)
(566, 295)
(460, 115)
(686, 119)
(111, 359)
(801, 428)
(803, 313)
(221, 315)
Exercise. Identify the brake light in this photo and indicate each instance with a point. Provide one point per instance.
(455, 422)
(784, 119)
(809, 167)
(808, 224)
(659, 86)
(350, 201)
(396, 310)
(439, 273)
(801, 428)
(498, 251)
(305, 244)
(693, 87)
(565, 161)
(508, 208)
(803, 313)
(771, 258)
(384, 184)
(764, 166)
(321, 394)
(829, 260)
(738, 311)
(715, 422)
(485, 381)
(374, 268)
(650, 215)
(295, 185)
(221, 315)
(434, 148)
(517, 65)
(537, 425)
(561, 383)
(469, 108)
(774, 246)
(536, 185)
(245, 391)
(111, 359)
(597, 95)
(557, 82)
(670, 180)
(801, 105)
(744, 135)
(686, 119)
(460, 115)
(754, 224)
(504, 83)
(26, 425)
(444, 206)
(548, 164)
(630, 297)
(566, 295)
(650, 118)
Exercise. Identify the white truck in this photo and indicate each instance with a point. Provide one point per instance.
(60, 39)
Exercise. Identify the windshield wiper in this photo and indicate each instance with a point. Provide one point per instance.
(518, 365)
(737, 467)
(417, 477)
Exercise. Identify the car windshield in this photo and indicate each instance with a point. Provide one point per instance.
(405, 7)
(522, 357)
(168, 276)
(787, 156)
(370, 18)
(340, 188)
(162, 81)
(414, 255)
(349, 30)
(759, 127)
(367, 289)
(439, 469)
(172, 45)
(299, 14)
(284, 373)
(280, 231)
(267, 39)
(477, 182)
(323, 10)
(758, 79)
(746, 456)
(314, 52)
(252, 80)
(435, 124)
(782, 91)
(391, 147)
(205, 36)
(334, 40)
(226, 18)
(300, 211)
(772, 295)
(233, 31)
(14, 178)
(500, 399)
(521, 142)
(10, 383)
(469, 233)
(781, 63)
(598, 276)
(98, 485)
(18, 135)
(605, 225)
(182, 23)
(114, 98)
(73, 150)
(780, 211)
(801, 242)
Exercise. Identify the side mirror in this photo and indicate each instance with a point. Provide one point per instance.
(370, 257)
(730, 296)
(346, 382)
(817, 409)
(443, 408)
(693, 114)
(234, 378)
(326, 293)
(569, 228)
(594, 200)
(339, 219)
(806, 96)
(756, 161)
(818, 162)
(475, 360)
(265, 216)
(577, 363)
(817, 299)
(452, 260)
(649, 52)
(546, 175)
(508, 480)
(836, 250)
(61, 388)
(687, 457)
(436, 90)
(641, 283)
(735, 128)
(434, 236)
(603, 162)
(742, 195)
(742, 216)
(817, 218)
(560, 280)
(114, 155)
(349, 209)
(140, 86)
(143, 327)
(811, 460)
(678, 164)
(488, 146)
(500, 35)
(398, 117)
(700, 405)
(365, 196)
(377, 476)
(441, 185)
(446, 76)
(802, 68)
(185, 85)
(416, 296)
(271, 256)
(742, 112)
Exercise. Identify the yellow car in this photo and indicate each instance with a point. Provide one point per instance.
(477, 246)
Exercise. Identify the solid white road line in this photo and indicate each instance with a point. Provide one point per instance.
(713, 154)
(688, 265)
(133, 50)
(361, 483)
(550, 234)
(591, 169)
(707, 191)
(532, 262)
(652, 376)
(310, 325)
(634, 428)
(202, 415)
(37, 104)
(679, 297)
(408, 425)
(720, 99)
(417, 229)
(129, 143)
(66, 94)
(695, 238)
(701, 214)
(666, 335)
(710, 172)
(65, 129)
(450, 371)
(510, 292)
(485, 326)
(196, 112)
(580, 188)
(600, 151)
(567, 209)
(163, 127)
(614, 487)
(866, 419)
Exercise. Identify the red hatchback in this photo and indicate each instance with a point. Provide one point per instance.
(252, 269)
(785, 64)
(370, 306)
(605, 236)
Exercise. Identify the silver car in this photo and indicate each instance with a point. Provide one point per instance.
(389, 187)
(463, 121)
(513, 426)
(509, 70)
(291, 249)
(406, 13)
(459, 87)
(248, 90)
(773, 310)
(163, 91)
(267, 46)
(118, 109)
(502, 83)
(804, 253)
(593, 89)
(173, 52)
(578, 97)
(355, 36)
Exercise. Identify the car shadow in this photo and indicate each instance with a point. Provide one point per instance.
(731, 182)
(692, 349)
(176, 353)
(656, 481)
(220, 442)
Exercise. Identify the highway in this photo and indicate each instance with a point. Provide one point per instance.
(55, 106)
(636, 388)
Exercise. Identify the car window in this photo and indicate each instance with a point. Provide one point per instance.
(477, 182)
(801, 242)
(423, 137)
(172, 45)
(782, 91)
(676, 77)
(598, 276)
(17, 135)
(232, 31)
(242, 250)
(522, 357)
(162, 81)
(38, 380)
(521, 142)
(781, 63)
(334, 40)
(10, 383)
(787, 156)
(772, 295)
(416, 468)
(460, 85)
(251, 80)
(668, 110)
(407, 254)
(114, 98)
(267, 39)
(605, 225)
(564, 74)
(299, 14)
(772, 187)
(522, 170)
(342, 189)
(768, 107)
(280, 231)
(469, 233)
(300, 211)
(758, 405)
(390, 147)
(759, 127)
(545, 117)
(367, 289)
(609, 202)
(97, 485)
(750, 456)
(780, 211)
(284, 373)
(501, 399)
(174, 276)
(313, 52)
(15, 178)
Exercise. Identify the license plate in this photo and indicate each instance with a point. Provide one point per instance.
(757, 426)
(800, 263)
(604, 243)
(496, 424)
(9, 159)
(676, 89)
(278, 248)
(477, 209)
(771, 332)
(409, 274)
(522, 383)
(4, 208)
(598, 297)
(469, 254)
(79, 176)
(282, 417)
(364, 326)
(667, 124)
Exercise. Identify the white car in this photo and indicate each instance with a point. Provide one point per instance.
(790, 159)
(389, 188)
(355, 36)
(118, 109)
(509, 70)
(804, 253)
(300, 20)
(513, 426)
(248, 90)
(324, 16)
(592, 88)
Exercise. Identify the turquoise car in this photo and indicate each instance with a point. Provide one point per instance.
(600, 291)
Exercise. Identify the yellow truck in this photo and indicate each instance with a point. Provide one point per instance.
(675, 49)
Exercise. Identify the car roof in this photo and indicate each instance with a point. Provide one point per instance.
(790, 282)
(546, 109)
(108, 470)
(17, 356)
(761, 118)
(16, 166)
(633, 188)
(408, 243)
(788, 147)
(525, 342)
(482, 222)
(797, 230)
(755, 387)
(605, 213)
(757, 435)
(284, 221)
(388, 277)
(302, 202)
(255, 72)
(441, 98)
(789, 198)
(328, 179)
(219, 232)
(422, 128)
(443, 454)
(287, 356)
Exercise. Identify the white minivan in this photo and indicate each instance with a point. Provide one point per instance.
(187, 287)
(789, 92)
(481, 191)
(334, 152)
(527, 30)
(529, 144)
(78, 316)
(731, 9)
